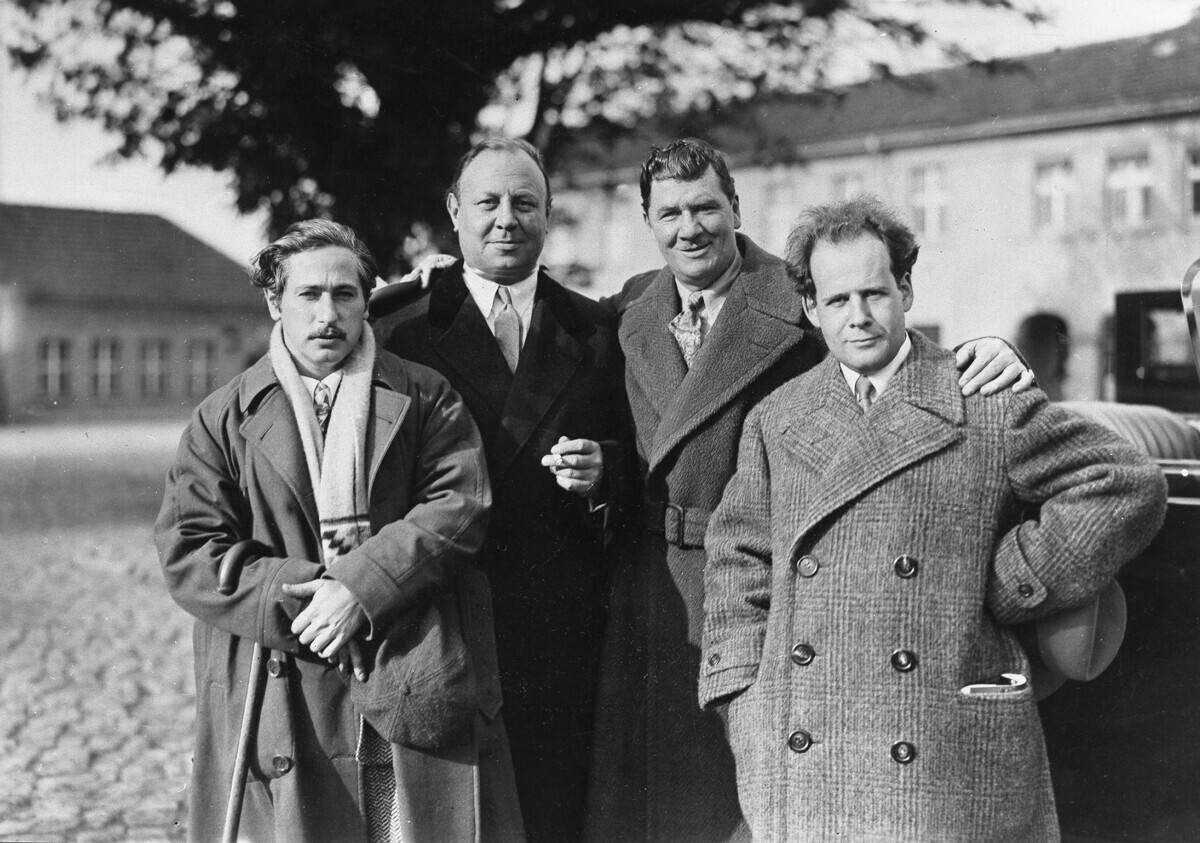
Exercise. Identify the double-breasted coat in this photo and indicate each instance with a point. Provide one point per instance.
(662, 768)
(544, 550)
(864, 568)
(240, 473)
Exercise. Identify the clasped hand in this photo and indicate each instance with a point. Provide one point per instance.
(328, 624)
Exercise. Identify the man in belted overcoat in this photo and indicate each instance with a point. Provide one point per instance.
(363, 477)
(882, 535)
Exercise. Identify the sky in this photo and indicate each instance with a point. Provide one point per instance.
(47, 163)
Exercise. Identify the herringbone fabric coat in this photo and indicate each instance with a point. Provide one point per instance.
(864, 568)
(662, 768)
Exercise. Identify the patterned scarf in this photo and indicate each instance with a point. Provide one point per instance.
(337, 461)
(337, 468)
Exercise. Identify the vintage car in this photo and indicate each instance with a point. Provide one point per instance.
(1125, 747)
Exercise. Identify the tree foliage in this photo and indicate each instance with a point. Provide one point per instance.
(358, 109)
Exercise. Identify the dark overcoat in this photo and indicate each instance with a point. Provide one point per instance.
(864, 568)
(240, 473)
(662, 767)
(544, 551)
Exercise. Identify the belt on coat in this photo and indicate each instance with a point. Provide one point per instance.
(680, 525)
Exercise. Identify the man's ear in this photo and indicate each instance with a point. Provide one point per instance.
(452, 209)
(906, 291)
(810, 310)
(272, 304)
(737, 212)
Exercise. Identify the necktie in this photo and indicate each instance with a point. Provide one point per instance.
(864, 393)
(508, 327)
(322, 405)
(688, 329)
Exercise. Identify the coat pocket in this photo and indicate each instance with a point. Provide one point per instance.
(420, 692)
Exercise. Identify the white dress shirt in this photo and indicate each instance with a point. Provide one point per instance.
(714, 294)
(880, 379)
(483, 292)
(332, 381)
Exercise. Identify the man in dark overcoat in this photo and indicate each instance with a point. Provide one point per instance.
(866, 565)
(540, 370)
(705, 338)
(363, 476)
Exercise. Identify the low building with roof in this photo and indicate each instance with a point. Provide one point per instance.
(1047, 187)
(116, 315)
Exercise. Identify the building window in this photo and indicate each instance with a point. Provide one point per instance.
(848, 186)
(1193, 178)
(155, 368)
(928, 202)
(106, 367)
(202, 367)
(53, 368)
(1054, 197)
(1128, 191)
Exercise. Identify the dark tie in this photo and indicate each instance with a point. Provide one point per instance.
(508, 327)
(864, 393)
(688, 329)
(322, 405)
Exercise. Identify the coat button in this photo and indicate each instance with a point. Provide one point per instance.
(799, 741)
(906, 567)
(275, 668)
(904, 660)
(903, 752)
(807, 566)
(281, 764)
(1025, 590)
(714, 660)
(803, 654)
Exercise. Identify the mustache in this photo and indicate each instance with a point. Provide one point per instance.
(329, 334)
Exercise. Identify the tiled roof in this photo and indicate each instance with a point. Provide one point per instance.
(1109, 82)
(106, 258)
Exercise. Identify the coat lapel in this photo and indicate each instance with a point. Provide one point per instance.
(760, 321)
(549, 360)
(461, 337)
(652, 357)
(919, 414)
(271, 428)
(389, 406)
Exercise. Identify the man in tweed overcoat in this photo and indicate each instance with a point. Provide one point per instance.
(869, 558)
(662, 768)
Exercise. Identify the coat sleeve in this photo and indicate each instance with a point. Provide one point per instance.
(204, 513)
(392, 571)
(737, 574)
(1091, 504)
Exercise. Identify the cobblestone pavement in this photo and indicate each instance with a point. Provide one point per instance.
(96, 689)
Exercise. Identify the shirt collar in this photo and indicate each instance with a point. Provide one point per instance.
(716, 292)
(483, 291)
(332, 381)
(881, 378)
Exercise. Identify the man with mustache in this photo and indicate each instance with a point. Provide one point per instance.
(540, 370)
(363, 478)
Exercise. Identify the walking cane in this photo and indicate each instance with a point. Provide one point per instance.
(227, 580)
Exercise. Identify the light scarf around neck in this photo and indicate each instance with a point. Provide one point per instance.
(337, 461)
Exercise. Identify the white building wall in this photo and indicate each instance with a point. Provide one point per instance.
(990, 267)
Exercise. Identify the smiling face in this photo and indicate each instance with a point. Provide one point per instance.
(321, 308)
(694, 223)
(501, 215)
(859, 306)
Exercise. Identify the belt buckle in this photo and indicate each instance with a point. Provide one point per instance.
(675, 535)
